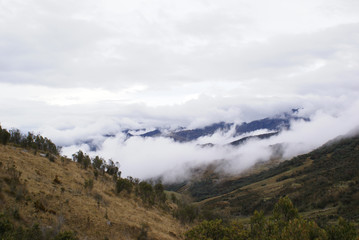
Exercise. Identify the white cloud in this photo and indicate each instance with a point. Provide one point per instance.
(153, 157)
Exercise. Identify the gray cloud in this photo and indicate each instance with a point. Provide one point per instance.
(105, 45)
(75, 70)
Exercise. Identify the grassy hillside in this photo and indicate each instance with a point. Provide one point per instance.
(62, 196)
(323, 184)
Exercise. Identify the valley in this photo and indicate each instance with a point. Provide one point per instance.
(323, 184)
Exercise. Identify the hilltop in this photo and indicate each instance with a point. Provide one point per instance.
(61, 195)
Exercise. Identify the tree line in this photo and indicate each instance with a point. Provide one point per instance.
(150, 193)
(99, 164)
(29, 140)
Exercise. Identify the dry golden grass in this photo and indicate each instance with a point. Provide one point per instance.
(56, 198)
(271, 186)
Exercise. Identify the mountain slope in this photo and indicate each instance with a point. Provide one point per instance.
(55, 195)
(322, 182)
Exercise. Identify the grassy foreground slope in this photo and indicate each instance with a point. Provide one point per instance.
(57, 195)
(323, 184)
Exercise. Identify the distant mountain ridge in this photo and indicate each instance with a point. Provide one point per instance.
(274, 124)
(260, 136)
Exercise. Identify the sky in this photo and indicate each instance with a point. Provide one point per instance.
(77, 69)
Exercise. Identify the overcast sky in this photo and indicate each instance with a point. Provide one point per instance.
(84, 67)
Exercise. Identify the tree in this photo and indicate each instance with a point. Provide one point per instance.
(82, 158)
(97, 162)
(78, 157)
(39, 142)
(208, 230)
(86, 162)
(4, 136)
(344, 230)
(29, 141)
(123, 184)
(146, 192)
(300, 229)
(15, 136)
(159, 193)
(258, 226)
(217, 230)
(284, 210)
(112, 169)
(186, 213)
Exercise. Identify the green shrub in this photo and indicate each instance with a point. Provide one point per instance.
(284, 224)
(51, 158)
(88, 184)
(68, 235)
(146, 192)
(216, 229)
(160, 195)
(342, 231)
(123, 184)
(186, 213)
(5, 225)
(143, 232)
(9, 232)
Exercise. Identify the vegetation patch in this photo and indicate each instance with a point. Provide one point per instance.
(284, 223)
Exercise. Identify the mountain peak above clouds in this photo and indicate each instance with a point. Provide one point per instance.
(238, 133)
(273, 124)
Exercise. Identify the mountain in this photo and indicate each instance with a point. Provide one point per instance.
(259, 136)
(193, 134)
(273, 125)
(137, 132)
(323, 184)
(153, 133)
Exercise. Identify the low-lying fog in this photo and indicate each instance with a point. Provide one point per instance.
(154, 156)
